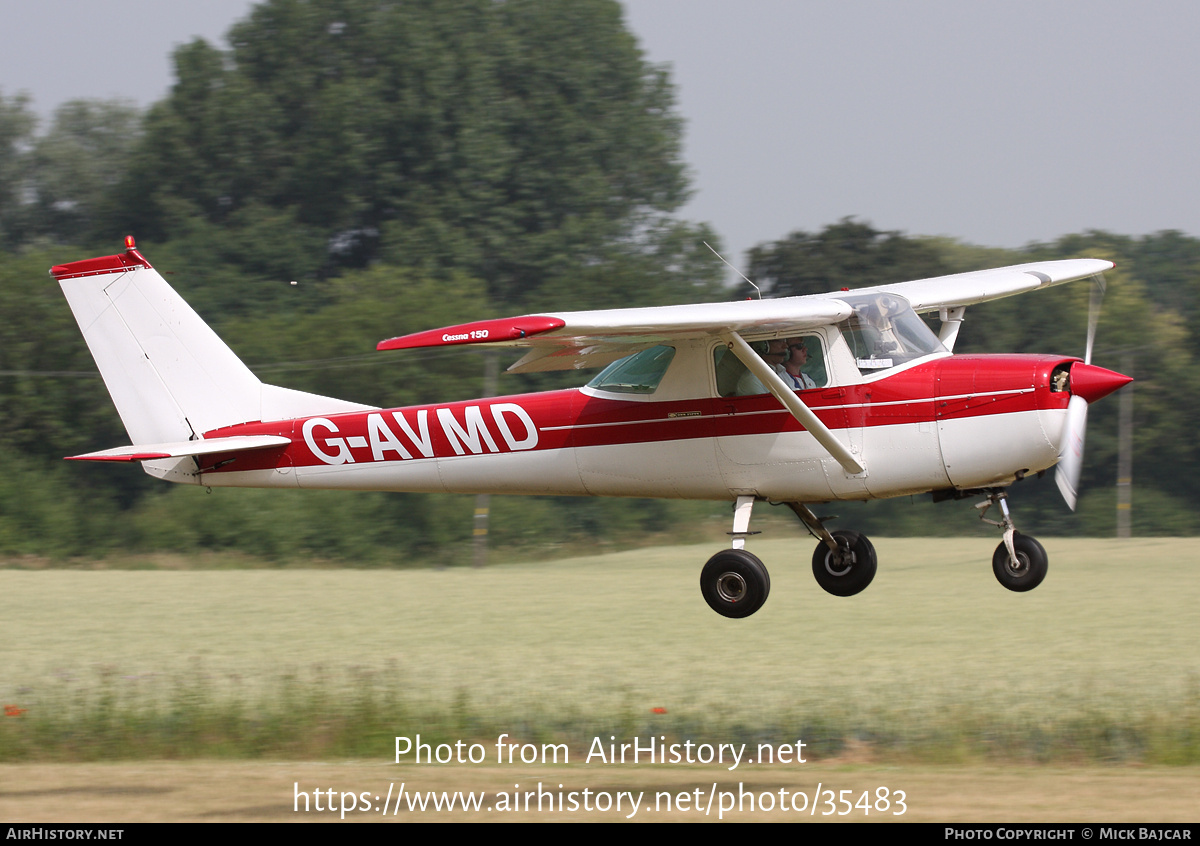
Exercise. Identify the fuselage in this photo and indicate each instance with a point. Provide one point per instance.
(943, 422)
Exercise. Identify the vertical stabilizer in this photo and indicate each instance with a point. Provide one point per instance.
(170, 376)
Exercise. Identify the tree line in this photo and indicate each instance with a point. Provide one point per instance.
(412, 165)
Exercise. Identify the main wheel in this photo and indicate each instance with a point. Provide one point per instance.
(853, 571)
(735, 583)
(1030, 568)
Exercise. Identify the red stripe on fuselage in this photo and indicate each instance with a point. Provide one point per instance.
(945, 389)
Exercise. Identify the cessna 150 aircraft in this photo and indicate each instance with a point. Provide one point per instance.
(685, 407)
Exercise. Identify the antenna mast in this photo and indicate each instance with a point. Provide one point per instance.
(734, 269)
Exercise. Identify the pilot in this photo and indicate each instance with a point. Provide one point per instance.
(774, 355)
(797, 357)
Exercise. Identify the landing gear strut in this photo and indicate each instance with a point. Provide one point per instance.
(848, 570)
(734, 582)
(1019, 562)
(844, 562)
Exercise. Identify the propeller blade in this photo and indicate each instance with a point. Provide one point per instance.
(1094, 301)
(1087, 384)
(1070, 457)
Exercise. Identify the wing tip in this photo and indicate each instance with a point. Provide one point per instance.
(503, 330)
(135, 456)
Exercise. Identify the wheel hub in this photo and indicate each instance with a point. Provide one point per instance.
(839, 564)
(1020, 567)
(731, 587)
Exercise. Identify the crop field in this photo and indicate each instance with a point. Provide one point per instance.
(935, 665)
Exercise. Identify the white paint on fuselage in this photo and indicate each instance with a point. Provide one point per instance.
(901, 459)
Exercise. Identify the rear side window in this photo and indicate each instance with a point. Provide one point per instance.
(636, 374)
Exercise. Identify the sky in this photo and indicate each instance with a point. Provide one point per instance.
(997, 124)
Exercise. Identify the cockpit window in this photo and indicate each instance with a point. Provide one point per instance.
(635, 374)
(884, 332)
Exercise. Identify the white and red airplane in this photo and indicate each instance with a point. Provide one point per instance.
(685, 408)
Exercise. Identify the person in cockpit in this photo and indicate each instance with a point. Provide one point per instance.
(774, 356)
(797, 357)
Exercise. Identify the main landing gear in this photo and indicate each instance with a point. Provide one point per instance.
(1019, 562)
(844, 562)
(736, 584)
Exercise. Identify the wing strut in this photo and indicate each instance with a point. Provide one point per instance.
(780, 390)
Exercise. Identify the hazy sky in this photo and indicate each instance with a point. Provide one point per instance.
(994, 123)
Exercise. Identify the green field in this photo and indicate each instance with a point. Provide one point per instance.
(935, 662)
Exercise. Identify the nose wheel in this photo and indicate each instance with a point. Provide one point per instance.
(1019, 562)
(1025, 568)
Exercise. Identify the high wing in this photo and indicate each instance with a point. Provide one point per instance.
(980, 286)
(581, 339)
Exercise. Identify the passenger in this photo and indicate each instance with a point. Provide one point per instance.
(775, 353)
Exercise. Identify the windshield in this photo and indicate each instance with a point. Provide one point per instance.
(636, 374)
(884, 331)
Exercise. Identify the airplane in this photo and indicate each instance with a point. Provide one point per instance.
(686, 406)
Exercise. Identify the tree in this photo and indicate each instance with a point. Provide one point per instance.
(76, 166)
(846, 254)
(515, 142)
(16, 135)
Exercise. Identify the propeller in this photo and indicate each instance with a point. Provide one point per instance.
(1070, 457)
(1088, 384)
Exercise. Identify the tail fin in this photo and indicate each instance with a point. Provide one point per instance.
(170, 376)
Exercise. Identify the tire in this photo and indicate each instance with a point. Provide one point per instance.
(845, 579)
(1032, 564)
(734, 583)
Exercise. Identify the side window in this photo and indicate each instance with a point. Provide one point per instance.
(803, 366)
(635, 374)
(729, 371)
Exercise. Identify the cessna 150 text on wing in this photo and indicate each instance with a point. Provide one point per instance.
(686, 408)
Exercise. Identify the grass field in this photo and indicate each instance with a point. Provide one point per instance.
(934, 664)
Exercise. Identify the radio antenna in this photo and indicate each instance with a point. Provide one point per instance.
(734, 269)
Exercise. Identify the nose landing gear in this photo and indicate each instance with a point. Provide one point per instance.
(1019, 562)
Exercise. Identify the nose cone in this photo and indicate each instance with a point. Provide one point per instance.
(1093, 383)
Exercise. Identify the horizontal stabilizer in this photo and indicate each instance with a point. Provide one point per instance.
(181, 449)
